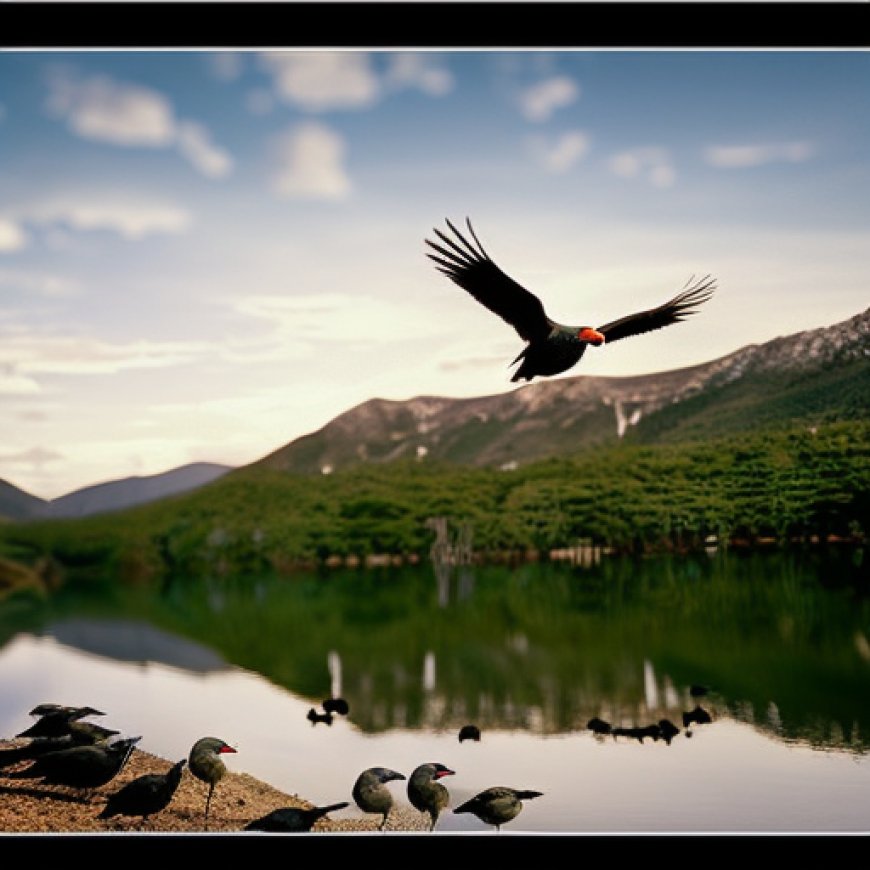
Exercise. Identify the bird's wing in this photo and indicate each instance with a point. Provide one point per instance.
(472, 269)
(682, 305)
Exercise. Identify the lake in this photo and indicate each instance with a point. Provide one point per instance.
(528, 653)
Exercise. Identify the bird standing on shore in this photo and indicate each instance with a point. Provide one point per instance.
(54, 720)
(292, 820)
(552, 347)
(80, 734)
(206, 765)
(84, 767)
(425, 792)
(371, 793)
(144, 795)
(497, 805)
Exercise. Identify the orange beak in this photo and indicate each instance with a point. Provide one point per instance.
(593, 336)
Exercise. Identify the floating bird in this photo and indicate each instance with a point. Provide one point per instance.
(336, 705)
(425, 792)
(469, 732)
(552, 347)
(497, 805)
(55, 721)
(85, 767)
(292, 820)
(314, 717)
(371, 793)
(637, 732)
(668, 730)
(144, 795)
(599, 726)
(699, 715)
(80, 734)
(205, 764)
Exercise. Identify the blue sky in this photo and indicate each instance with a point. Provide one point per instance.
(205, 255)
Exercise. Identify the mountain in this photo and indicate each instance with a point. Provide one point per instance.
(813, 375)
(16, 504)
(130, 491)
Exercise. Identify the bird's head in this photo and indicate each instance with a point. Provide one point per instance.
(590, 336)
(440, 770)
(384, 774)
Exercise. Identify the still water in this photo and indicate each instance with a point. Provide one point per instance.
(529, 654)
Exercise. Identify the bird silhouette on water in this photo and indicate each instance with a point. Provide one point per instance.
(698, 716)
(469, 732)
(54, 720)
(292, 820)
(371, 794)
(144, 795)
(336, 705)
(551, 347)
(314, 717)
(638, 732)
(205, 763)
(497, 805)
(599, 726)
(425, 792)
(698, 691)
(81, 767)
(668, 730)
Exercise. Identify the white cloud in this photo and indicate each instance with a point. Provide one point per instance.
(131, 220)
(194, 142)
(129, 115)
(12, 383)
(310, 161)
(107, 111)
(653, 164)
(419, 70)
(318, 81)
(226, 65)
(539, 101)
(12, 237)
(64, 355)
(561, 153)
(743, 156)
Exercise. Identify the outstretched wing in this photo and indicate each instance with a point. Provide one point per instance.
(682, 305)
(472, 269)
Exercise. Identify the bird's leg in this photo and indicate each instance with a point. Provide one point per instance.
(207, 802)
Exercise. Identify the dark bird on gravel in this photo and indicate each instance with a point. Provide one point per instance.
(469, 732)
(552, 347)
(497, 805)
(599, 726)
(292, 820)
(425, 792)
(80, 734)
(371, 793)
(55, 722)
(206, 764)
(336, 705)
(85, 767)
(697, 716)
(314, 717)
(144, 795)
(668, 730)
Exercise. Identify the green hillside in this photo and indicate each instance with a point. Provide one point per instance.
(784, 483)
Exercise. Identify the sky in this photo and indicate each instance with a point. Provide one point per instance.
(204, 255)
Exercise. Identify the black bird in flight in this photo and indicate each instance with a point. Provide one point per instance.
(552, 347)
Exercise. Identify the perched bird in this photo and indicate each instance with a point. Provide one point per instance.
(599, 726)
(205, 764)
(144, 795)
(699, 715)
(371, 793)
(85, 767)
(292, 820)
(469, 732)
(497, 805)
(80, 734)
(668, 730)
(55, 722)
(552, 347)
(425, 792)
(336, 705)
(314, 717)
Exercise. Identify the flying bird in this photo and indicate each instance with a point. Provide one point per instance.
(551, 347)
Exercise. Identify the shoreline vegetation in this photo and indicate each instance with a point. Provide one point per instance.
(799, 486)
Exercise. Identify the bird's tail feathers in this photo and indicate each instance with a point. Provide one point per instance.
(322, 811)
